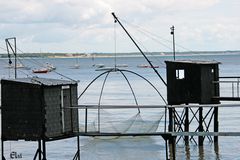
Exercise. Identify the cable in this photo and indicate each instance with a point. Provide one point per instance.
(155, 57)
(148, 52)
(42, 65)
(155, 35)
(3, 48)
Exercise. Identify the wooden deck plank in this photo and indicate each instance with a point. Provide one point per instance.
(93, 134)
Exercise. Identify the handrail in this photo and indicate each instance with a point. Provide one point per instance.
(95, 106)
(235, 83)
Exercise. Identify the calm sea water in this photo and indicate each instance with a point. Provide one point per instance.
(117, 91)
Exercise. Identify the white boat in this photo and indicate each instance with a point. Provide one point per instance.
(75, 66)
(50, 67)
(41, 70)
(146, 66)
(121, 65)
(99, 65)
(105, 69)
(18, 66)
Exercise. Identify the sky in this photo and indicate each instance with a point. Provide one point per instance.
(87, 26)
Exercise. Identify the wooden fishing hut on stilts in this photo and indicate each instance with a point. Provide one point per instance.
(33, 109)
(192, 82)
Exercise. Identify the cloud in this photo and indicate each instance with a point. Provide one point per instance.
(89, 23)
(75, 11)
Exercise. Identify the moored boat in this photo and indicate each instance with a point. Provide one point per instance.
(121, 65)
(41, 70)
(75, 66)
(146, 66)
(50, 67)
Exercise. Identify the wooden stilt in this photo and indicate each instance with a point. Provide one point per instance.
(166, 149)
(173, 146)
(39, 150)
(216, 125)
(200, 127)
(201, 152)
(86, 119)
(187, 152)
(78, 143)
(186, 125)
(216, 149)
(2, 146)
(170, 125)
(44, 150)
(171, 128)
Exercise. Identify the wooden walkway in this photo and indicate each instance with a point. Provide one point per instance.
(151, 106)
(163, 134)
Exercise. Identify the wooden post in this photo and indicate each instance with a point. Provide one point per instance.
(200, 127)
(78, 142)
(186, 125)
(201, 152)
(2, 145)
(166, 148)
(86, 120)
(39, 150)
(216, 125)
(44, 149)
(187, 152)
(173, 148)
(170, 126)
(216, 149)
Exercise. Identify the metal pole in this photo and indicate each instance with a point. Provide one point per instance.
(117, 20)
(172, 33)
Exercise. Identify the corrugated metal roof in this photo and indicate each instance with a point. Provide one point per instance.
(43, 81)
(194, 62)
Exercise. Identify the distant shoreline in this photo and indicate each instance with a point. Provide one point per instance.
(132, 54)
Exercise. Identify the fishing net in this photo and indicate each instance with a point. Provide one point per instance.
(121, 120)
(109, 122)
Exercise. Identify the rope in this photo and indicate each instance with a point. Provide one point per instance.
(3, 48)
(155, 57)
(146, 32)
(42, 65)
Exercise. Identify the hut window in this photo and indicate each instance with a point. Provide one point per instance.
(180, 74)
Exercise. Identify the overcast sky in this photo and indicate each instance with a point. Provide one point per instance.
(88, 26)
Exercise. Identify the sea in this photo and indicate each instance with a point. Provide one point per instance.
(132, 86)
